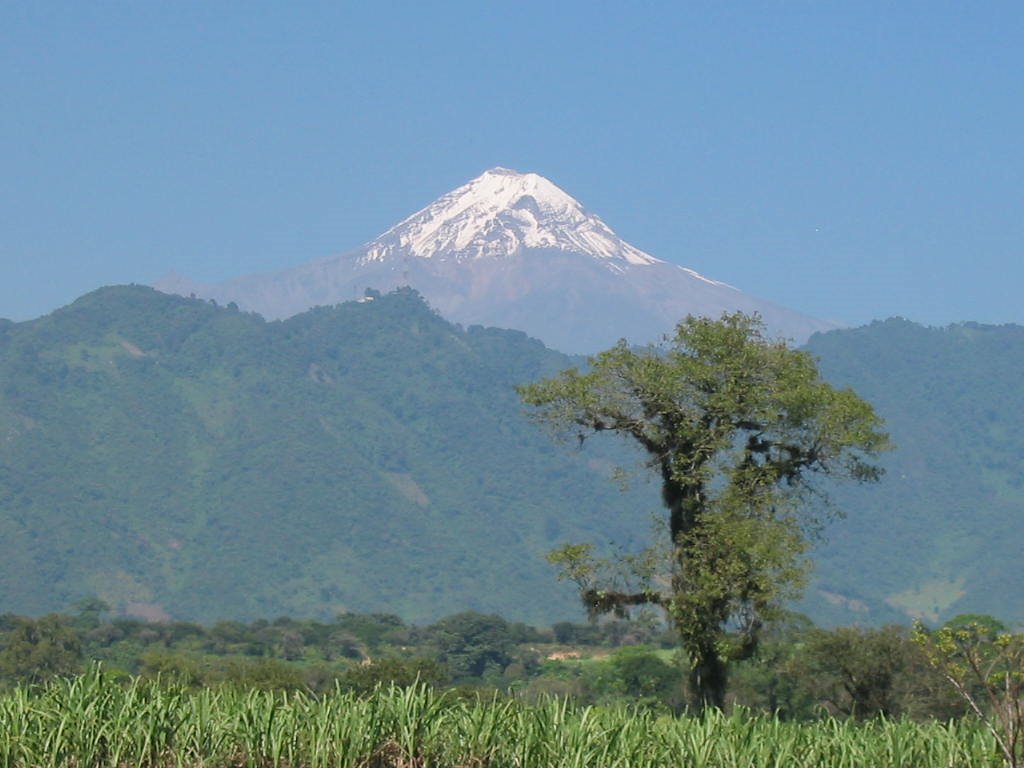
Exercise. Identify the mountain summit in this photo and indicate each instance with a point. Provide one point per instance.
(512, 250)
(498, 214)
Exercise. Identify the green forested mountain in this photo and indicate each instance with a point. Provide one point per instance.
(942, 533)
(177, 458)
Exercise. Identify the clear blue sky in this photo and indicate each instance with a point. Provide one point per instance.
(850, 160)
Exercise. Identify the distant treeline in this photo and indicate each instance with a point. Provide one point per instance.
(802, 671)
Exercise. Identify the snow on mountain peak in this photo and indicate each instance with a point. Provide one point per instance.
(498, 214)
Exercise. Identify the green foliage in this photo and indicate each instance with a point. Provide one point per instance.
(38, 650)
(799, 672)
(370, 677)
(855, 671)
(146, 724)
(986, 626)
(177, 459)
(986, 667)
(737, 426)
(774, 679)
(263, 674)
(174, 458)
(373, 629)
(472, 644)
(641, 676)
(949, 503)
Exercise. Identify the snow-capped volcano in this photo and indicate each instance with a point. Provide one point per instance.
(498, 214)
(512, 250)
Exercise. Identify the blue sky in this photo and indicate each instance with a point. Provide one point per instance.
(849, 160)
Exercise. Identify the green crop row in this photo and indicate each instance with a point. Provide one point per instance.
(95, 721)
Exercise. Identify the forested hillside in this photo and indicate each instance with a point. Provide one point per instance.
(941, 534)
(176, 458)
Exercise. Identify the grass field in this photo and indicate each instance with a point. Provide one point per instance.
(95, 721)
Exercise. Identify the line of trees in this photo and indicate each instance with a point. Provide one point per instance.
(799, 671)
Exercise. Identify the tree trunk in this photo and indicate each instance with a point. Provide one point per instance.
(708, 680)
(708, 671)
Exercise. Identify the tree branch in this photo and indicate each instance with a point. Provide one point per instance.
(601, 601)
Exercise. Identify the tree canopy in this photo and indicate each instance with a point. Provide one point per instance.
(738, 426)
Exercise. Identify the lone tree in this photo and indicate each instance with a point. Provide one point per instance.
(738, 426)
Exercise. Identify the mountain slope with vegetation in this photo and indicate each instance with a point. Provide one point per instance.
(941, 534)
(179, 459)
